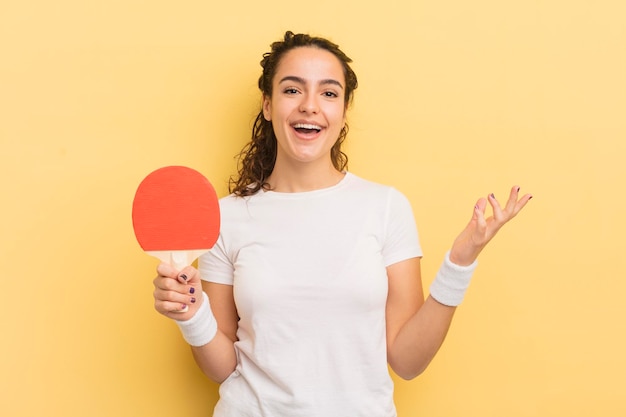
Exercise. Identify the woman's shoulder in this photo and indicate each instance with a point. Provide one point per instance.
(362, 184)
(233, 200)
(388, 195)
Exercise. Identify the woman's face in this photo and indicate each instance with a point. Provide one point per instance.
(307, 107)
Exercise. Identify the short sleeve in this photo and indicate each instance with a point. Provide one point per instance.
(216, 266)
(401, 239)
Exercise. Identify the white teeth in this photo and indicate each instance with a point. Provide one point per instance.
(306, 126)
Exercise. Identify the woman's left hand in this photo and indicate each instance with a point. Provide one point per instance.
(480, 230)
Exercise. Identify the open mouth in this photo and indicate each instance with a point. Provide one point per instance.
(307, 128)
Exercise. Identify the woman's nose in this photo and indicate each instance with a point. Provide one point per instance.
(309, 104)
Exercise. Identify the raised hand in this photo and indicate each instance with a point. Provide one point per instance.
(480, 229)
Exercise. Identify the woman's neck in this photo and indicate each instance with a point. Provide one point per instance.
(289, 178)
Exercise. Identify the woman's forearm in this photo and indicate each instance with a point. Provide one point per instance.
(216, 359)
(420, 338)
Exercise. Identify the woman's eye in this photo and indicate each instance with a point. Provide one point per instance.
(330, 94)
(291, 91)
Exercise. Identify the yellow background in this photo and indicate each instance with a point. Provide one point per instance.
(457, 99)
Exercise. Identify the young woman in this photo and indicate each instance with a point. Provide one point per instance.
(314, 284)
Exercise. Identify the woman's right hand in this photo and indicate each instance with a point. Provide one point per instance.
(177, 294)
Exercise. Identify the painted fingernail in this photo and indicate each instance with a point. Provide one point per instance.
(492, 196)
(193, 300)
(183, 276)
(518, 188)
(192, 290)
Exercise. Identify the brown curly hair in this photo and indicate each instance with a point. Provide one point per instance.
(256, 160)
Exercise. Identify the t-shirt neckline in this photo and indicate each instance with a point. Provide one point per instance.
(300, 194)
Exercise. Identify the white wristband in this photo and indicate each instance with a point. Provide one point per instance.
(202, 327)
(451, 282)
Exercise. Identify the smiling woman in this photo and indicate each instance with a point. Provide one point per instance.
(258, 158)
(307, 112)
(315, 281)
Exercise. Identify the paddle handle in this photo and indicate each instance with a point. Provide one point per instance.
(178, 258)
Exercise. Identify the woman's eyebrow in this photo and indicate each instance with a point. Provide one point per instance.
(301, 80)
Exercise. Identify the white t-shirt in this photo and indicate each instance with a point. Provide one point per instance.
(309, 279)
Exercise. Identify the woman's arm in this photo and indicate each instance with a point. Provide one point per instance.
(416, 328)
(217, 359)
(211, 327)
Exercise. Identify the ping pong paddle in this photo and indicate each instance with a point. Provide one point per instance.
(176, 215)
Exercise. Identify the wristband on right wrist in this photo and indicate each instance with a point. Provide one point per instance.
(451, 282)
(202, 327)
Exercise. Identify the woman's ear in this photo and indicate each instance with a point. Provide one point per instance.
(267, 105)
